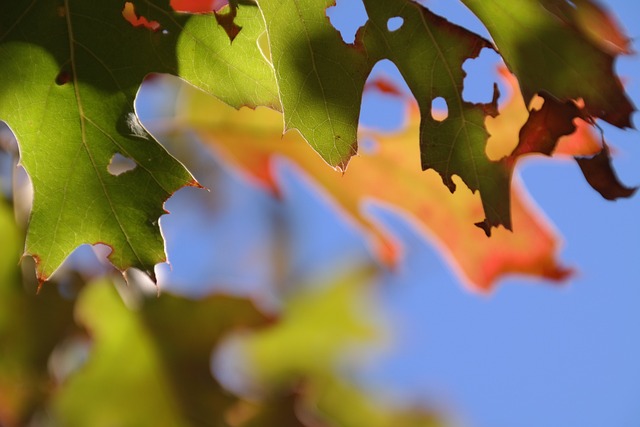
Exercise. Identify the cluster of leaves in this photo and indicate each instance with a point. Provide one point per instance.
(388, 172)
(77, 355)
(71, 70)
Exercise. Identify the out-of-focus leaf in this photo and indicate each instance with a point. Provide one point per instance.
(70, 71)
(124, 381)
(151, 367)
(198, 6)
(317, 326)
(30, 328)
(343, 405)
(323, 334)
(600, 27)
(185, 332)
(389, 172)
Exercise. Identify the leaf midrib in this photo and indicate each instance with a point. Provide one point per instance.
(81, 113)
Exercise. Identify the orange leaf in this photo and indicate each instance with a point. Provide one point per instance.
(198, 6)
(129, 14)
(596, 23)
(507, 128)
(391, 174)
(554, 127)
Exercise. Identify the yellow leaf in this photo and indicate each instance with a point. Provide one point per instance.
(391, 173)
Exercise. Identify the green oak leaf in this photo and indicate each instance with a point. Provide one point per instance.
(544, 43)
(321, 80)
(70, 71)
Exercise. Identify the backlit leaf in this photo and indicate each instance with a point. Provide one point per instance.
(321, 80)
(390, 173)
(558, 128)
(70, 71)
(548, 45)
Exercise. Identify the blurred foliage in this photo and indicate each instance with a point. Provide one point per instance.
(96, 352)
(30, 328)
(327, 331)
(387, 172)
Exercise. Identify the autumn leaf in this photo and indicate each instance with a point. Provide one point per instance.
(70, 74)
(129, 14)
(321, 80)
(389, 173)
(520, 128)
(551, 127)
(564, 58)
(548, 45)
(197, 6)
(71, 71)
(600, 174)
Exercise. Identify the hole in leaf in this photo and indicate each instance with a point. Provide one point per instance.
(481, 75)
(347, 16)
(384, 107)
(63, 78)
(227, 22)
(439, 109)
(22, 190)
(120, 164)
(395, 23)
(129, 14)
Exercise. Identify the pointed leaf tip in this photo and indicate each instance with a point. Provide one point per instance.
(82, 86)
(599, 173)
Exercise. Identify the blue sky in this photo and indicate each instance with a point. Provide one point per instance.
(533, 354)
(530, 354)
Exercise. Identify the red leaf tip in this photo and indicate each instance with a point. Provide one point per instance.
(198, 6)
(129, 14)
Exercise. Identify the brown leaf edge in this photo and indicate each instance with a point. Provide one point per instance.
(600, 174)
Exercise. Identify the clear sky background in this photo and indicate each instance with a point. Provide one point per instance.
(531, 353)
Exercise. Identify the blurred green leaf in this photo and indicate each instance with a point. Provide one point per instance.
(324, 333)
(151, 366)
(31, 326)
(317, 327)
